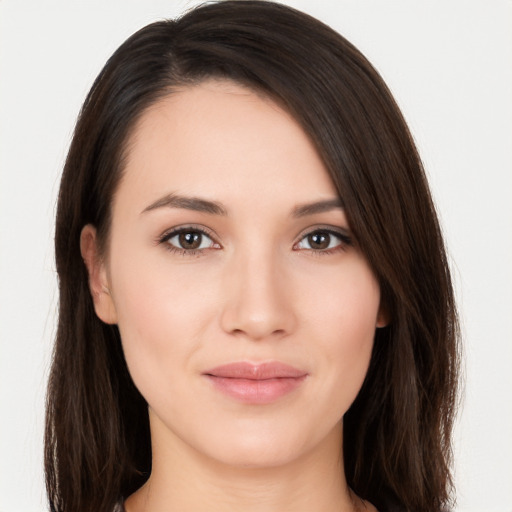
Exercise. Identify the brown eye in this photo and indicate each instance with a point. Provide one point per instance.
(323, 240)
(319, 240)
(189, 240)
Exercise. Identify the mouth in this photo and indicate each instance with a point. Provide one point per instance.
(256, 383)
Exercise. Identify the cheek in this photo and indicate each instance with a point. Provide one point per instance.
(161, 316)
(344, 319)
(345, 302)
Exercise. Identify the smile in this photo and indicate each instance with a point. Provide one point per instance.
(256, 383)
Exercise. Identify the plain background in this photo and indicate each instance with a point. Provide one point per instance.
(449, 64)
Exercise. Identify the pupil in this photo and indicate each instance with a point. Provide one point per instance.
(190, 240)
(319, 240)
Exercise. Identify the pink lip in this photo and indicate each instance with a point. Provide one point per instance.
(256, 383)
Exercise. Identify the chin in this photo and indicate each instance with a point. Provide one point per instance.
(257, 455)
(270, 446)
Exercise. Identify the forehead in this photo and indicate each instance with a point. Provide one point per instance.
(222, 140)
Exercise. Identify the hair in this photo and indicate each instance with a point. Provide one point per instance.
(397, 433)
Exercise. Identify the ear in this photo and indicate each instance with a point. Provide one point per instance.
(98, 277)
(382, 317)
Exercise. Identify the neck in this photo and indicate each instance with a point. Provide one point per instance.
(184, 480)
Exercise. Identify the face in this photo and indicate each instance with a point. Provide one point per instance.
(246, 311)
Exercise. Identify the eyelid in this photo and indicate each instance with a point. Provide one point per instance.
(176, 230)
(343, 234)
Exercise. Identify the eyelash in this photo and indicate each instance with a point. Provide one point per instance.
(345, 241)
(164, 239)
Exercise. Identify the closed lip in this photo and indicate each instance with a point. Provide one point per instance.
(256, 371)
(256, 384)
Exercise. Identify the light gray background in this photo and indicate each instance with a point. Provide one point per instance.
(449, 64)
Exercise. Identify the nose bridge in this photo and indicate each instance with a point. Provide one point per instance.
(256, 299)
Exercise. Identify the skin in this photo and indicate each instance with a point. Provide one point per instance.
(258, 289)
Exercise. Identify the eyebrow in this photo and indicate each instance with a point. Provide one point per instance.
(317, 207)
(188, 203)
(212, 207)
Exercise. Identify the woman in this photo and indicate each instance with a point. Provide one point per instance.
(256, 310)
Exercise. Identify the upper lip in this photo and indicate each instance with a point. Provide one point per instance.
(258, 371)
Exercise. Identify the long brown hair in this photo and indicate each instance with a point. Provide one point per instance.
(397, 444)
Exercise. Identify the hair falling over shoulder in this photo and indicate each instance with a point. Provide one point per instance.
(397, 433)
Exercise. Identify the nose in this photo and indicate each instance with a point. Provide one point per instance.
(258, 297)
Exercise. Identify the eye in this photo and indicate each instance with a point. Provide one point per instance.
(324, 240)
(188, 240)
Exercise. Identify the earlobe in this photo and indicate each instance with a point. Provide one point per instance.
(382, 317)
(98, 277)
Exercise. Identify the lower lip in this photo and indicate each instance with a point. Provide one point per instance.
(251, 391)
